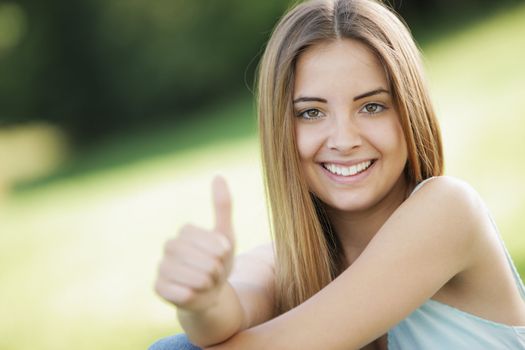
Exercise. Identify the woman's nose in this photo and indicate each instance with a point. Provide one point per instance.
(344, 134)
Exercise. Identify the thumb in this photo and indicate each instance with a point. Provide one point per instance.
(223, 207)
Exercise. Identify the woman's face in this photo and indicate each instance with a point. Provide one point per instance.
(350, 142)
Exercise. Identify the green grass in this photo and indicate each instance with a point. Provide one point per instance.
(231, 120)
(78, 251)
(477, 81)
(78, 254)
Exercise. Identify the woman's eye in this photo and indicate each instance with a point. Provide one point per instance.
(373, 108)
(311, 114)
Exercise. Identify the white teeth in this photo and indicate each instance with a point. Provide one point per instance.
(347, 171)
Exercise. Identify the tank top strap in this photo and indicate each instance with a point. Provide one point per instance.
(519, 282)
(421, 184)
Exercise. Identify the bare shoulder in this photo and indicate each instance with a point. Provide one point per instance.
(452, 209)
(450, 197)
(448, 186)
(443, 218)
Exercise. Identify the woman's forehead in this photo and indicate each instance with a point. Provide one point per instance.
(344, 63)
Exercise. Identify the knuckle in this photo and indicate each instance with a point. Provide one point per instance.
(179, 296)
(186, 297)
(164, 268)
(218, 266)
(170, 247)
(204, 282)
(189, 234)
(226, 252)
(222, 272)
(187, 229)
(215, 268)
(159, 288)
(188, 226)
(209, 266)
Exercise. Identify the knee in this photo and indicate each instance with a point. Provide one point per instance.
(176, 342)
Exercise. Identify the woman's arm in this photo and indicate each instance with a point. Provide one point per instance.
(246, 300)
(253, 279)
(429, 239)
(193, 276)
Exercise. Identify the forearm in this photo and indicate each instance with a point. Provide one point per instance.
(215, 324)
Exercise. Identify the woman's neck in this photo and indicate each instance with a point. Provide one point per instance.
(356, 229)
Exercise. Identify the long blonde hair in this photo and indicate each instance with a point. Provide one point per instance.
(308, 254)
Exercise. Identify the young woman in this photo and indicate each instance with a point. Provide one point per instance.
(373, 248)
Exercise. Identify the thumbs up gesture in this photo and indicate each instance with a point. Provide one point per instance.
(197, 262)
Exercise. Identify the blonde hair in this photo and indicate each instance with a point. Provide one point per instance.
(308, 254)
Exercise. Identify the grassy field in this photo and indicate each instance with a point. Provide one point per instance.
(78, 253)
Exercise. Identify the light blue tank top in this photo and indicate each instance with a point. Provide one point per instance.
(437, 326)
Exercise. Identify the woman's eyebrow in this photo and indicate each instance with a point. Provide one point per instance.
(309, 99)
(358, 97)
(371, 93)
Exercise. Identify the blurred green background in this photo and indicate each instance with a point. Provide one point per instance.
(115, 116)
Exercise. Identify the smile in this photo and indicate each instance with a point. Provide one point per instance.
(340, 170)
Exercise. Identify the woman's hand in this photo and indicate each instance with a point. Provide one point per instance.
(196, 264)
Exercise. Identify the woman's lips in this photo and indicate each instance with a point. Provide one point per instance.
(348, 173)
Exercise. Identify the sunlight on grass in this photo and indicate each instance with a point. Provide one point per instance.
(29, 151)
(477, 81)
(78, 256)
(96, 247)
